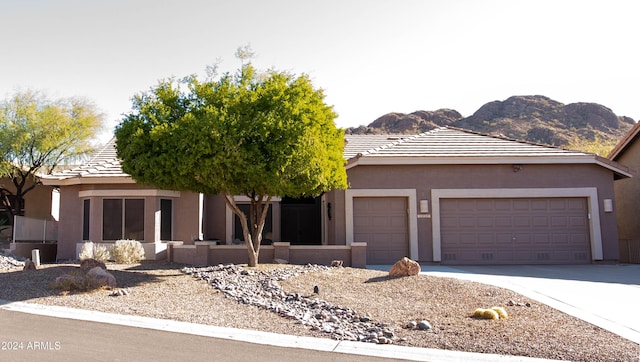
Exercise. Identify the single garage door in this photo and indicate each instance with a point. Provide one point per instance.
(515, 231)
(382, 223)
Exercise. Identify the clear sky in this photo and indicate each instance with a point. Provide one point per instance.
(371, 57)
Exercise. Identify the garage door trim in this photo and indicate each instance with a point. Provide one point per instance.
(410, 194)
(591, 193)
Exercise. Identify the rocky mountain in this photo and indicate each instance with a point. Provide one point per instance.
(536, 119)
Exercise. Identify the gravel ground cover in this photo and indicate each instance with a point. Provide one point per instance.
(164, 290)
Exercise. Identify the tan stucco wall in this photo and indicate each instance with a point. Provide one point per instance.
(626, 195)
(424, 178)
(185, 215)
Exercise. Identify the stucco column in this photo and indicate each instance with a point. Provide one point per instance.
(358, 255)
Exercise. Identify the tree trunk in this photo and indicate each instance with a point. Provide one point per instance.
(253, 258)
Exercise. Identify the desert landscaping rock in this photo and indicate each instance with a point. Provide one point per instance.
(29, 265)
(88, 264)
(101, 277)
(10, 262)
(404, 267)
(262, 289)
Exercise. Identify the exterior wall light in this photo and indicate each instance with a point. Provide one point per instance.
(424, 206)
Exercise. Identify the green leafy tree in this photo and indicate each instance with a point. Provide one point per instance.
(36, 135)
(250, 134)
(598, 146)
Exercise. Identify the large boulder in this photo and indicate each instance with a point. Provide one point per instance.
(404, 267)
(88, 264)
(101, 278)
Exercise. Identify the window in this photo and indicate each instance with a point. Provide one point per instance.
(86, 211)
(166, 217)
(123, 219)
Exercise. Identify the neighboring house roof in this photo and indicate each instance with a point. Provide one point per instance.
(360, 143)
(448, 145)
(626, 141)
(103, 167)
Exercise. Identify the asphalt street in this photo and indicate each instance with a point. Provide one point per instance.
(31, 337)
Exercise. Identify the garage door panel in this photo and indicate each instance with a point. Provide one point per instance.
(540, 238)
(540, 221)
(485, 222)
(501, 221)
(515, 231)
(578, 222)
(559, 221)
(540, 205)
(521, 221)
(482, 205)
(519, 204)
(522, 238)
(466, 221)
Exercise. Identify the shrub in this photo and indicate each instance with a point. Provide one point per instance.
(127, 251)
(501, 312)
(94, 251)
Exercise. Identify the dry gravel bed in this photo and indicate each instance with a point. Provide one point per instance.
(161, 290)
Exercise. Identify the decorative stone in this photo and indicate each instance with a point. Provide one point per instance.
(119, 292)
(72, 280)
(29, 265)
(404, 267)
(101, 277)
(88, 264)
(337, 263)
(412, 325)
(262, 289)
(424, 326)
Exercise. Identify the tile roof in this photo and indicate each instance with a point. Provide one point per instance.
(452, 142)
(103, 164)
(448, 145)
(360, 143)
(439, 146)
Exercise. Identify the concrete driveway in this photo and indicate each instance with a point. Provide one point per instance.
(604, 295)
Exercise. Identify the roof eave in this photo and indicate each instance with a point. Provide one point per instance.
(101, 180)
(625, 142)
(618, 169)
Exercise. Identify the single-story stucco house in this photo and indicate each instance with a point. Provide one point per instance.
(627, 195)
(447, 196)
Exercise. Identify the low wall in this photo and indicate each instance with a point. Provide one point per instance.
(204, 253)
(48, 250)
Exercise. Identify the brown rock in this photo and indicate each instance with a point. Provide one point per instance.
(88, 264)
(404, 267)
(29, 265)
(101, 278)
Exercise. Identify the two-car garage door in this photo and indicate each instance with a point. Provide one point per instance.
(514, 231)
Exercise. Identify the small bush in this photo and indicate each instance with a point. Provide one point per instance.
(501, 312)
(127, 251)
(94, 251)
